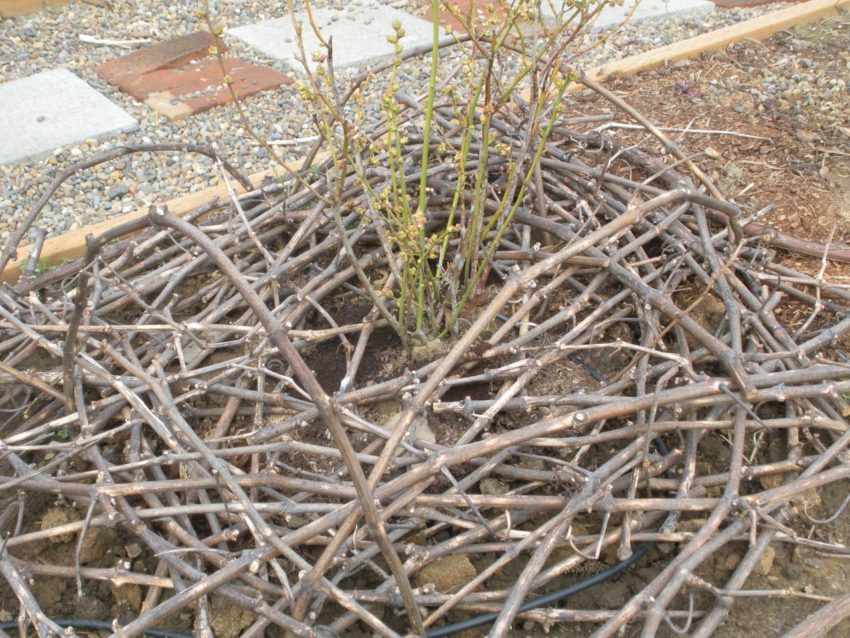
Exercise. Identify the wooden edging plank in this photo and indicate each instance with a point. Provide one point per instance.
(72, 245)
(15, 8)
(754, 29)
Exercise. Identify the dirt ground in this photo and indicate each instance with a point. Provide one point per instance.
(793, 91)
(784, 109)
(790, 97)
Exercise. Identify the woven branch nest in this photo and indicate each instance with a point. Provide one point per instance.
(625, 376)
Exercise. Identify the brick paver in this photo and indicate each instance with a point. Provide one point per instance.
(181, 77)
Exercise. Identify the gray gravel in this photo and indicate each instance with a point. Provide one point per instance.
(51, 38)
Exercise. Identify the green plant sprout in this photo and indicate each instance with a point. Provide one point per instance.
(436, 269)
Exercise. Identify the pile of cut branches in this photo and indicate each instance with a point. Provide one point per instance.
(168, 386)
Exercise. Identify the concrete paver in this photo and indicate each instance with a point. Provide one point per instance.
(55, 108)
(359, 35)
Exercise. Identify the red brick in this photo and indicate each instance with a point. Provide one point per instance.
(727, 4)
(180, 77)
(125, 71)
(198, 87)
(481, 9)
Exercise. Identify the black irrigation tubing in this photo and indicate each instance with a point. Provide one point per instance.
(97, 625)
(555, 596)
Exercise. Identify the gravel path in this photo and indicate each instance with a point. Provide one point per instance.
(40, 42)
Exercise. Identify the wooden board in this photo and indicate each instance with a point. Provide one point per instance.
(72, 245)
(755, 29)
(13, 8)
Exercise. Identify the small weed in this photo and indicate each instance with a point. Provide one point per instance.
(683, 89)
(45, 264)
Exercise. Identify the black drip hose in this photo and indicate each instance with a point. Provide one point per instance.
(555, 596)
(97, 625)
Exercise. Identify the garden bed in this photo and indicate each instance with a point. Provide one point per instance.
(646, 390)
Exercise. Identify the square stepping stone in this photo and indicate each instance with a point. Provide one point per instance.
(181, 77)
(199, 86)
(457, 13)
(359, 33)
(731, 4)
(52, 109)
(612, 16)
(126, 71)
(482, 14)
